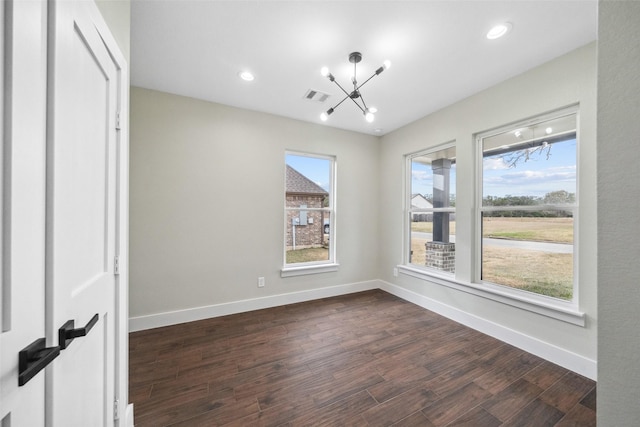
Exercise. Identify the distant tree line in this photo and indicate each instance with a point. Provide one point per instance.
(561, 197)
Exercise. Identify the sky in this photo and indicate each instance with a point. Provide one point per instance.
(535, 177)
(317, 170)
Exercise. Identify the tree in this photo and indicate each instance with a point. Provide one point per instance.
(512, 158)
(560, 197)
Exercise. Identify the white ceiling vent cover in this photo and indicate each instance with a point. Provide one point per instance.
(316, 95)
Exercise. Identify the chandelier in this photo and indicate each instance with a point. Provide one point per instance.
(354, 95)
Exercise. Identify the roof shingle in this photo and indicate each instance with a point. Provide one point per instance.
(300, 184)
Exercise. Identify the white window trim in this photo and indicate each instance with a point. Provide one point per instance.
(308, 269)
(316, 267)
(406, 244)
(540, 304)
(556, 308)
(566, 311)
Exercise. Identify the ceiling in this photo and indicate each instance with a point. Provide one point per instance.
(438, 50)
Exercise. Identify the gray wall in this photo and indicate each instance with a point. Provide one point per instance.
(207, 203)
(564, 81)
(618, 203)
(207, 199)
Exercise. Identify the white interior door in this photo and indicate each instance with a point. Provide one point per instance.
(22, 131)
(82, 209)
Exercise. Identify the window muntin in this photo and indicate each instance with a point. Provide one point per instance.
(431, 209)
(309, 210)
(528, 206)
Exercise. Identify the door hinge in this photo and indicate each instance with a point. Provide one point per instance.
(116, 409)
(116, 265)
(117, 120)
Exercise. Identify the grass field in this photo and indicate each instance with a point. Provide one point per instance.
(558, 230)
(307, 255)
(544, 273)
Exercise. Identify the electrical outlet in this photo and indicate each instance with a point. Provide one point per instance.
(395, 272)
(261, 282)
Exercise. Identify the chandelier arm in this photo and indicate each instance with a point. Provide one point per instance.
(343, 99)
(348, 96)
(364, 104)
(341, 88)
(356, 102)
(374, 74)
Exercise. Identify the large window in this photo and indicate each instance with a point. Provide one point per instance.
(528, 206)
(431, 202)
(309, 211)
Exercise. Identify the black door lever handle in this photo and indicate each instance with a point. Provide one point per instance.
(33, 358)
(67, 333)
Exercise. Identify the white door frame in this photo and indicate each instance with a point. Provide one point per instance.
(123, 410)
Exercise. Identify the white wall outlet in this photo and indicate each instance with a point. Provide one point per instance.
(395, 271)
(261, 282)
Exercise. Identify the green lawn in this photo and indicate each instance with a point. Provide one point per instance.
(307, 255)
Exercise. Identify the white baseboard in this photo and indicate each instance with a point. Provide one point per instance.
(559, 356)
(129, 415)
(189, 315)
(574, 362)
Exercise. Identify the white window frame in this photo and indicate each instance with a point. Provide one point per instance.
(314, 267)
(569, 307)
(408, 210)
(566, 311)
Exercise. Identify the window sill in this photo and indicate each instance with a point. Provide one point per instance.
(545, 306)
(308, 269)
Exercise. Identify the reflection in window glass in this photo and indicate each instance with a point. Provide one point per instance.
(432, 209)
(528, 207)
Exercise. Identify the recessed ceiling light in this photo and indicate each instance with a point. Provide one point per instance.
(246, 76)
(499, 31)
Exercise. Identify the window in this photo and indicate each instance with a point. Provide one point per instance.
(528, 206)
(309, 213)
(430, 209)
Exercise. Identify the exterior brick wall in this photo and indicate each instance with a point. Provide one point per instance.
(441, 256)
(307, 235)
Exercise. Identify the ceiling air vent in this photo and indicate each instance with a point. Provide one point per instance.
(315, 95)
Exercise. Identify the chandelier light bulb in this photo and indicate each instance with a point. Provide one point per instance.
(324, 71)
(369, 116)
(325, 116)
(386, 64)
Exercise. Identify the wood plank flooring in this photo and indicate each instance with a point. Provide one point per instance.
(365, 359)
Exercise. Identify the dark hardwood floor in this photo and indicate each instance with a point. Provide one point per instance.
(366, 359)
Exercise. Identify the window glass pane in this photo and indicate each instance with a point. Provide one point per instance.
(424, 250)
(530, 165)
(529, 187)
(530, 253)
(308, 209)
(432, 210)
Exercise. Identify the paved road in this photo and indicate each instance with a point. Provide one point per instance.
(560, 248)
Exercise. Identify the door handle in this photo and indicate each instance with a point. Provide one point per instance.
(33, 358)
(67, 333)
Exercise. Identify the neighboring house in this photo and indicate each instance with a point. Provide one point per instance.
(302, 192)
(420, 202)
